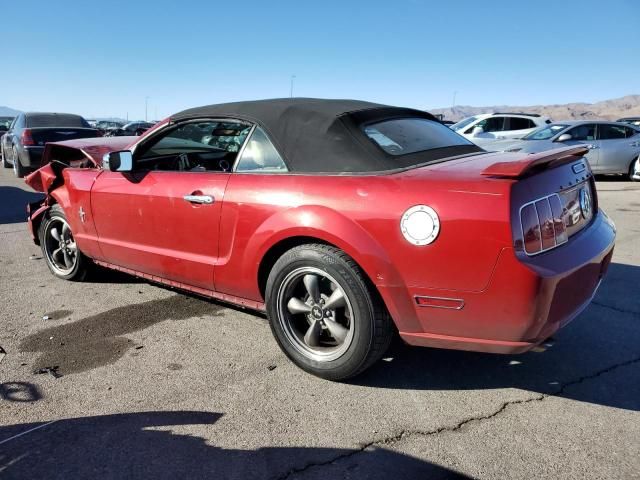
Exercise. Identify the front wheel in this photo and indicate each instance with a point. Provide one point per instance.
(59, 248)
(324, 314)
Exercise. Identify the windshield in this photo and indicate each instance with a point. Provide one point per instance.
(403, 136)
(463, 123)
(545, 133)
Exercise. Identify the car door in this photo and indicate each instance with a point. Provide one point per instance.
(585, 134)
(8, 138)
(162, 219)
(619, 145)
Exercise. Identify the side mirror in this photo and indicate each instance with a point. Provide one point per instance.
(477, 131)
(564, 137)
(118, 161)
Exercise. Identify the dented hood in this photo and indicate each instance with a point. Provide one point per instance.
(93, 148)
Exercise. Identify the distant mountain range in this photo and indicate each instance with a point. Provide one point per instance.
(8, 112)
(628, 106)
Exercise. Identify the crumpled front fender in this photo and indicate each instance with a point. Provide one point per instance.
(35, 214)
(43, 179)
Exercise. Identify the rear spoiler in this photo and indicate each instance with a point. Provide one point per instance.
(534, 162)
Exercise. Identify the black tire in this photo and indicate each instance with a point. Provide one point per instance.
(372, 326)
(82, 264)
(18, 169)
(5, 163)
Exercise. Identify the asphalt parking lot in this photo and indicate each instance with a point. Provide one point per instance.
(159, 384)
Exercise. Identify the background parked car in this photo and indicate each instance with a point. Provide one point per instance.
(631, 120)
(489, 127)
(107, 126)
(5, 123)
(23, 144)
(130, 129)
(613, 147)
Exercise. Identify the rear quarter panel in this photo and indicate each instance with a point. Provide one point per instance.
(361, 215)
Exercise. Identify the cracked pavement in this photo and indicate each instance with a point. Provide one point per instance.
(158, 384)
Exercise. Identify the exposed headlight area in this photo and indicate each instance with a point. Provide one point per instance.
(420, 225)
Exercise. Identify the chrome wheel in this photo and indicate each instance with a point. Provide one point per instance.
(60, 247)
(315, 314)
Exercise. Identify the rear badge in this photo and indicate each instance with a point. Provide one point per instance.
(578, 168)
(585, 203)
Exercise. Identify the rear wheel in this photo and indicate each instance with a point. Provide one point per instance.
(59, 248)
(5, 163)
(18, 169)
(324, 314)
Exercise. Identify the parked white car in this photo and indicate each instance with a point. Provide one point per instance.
(489, 127)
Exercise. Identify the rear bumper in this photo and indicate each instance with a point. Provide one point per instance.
(31, 157)
(526, 301)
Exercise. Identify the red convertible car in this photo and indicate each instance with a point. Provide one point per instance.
(345, 221)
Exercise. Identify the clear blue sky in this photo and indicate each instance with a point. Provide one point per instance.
(102, 57)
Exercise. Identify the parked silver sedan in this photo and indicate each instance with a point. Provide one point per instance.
(614, 148)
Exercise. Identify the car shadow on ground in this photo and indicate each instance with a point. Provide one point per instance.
(603, 340)
(605, 335)
(14, 204)
(157, 445)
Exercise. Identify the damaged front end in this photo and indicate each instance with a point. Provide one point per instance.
(55, 158)
(44, 180)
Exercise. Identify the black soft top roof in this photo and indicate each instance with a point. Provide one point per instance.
(317, 135)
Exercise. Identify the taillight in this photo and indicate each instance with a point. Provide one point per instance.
(542, 224)
(26, 139)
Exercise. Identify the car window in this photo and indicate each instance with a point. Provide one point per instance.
(194, 146)
(463, 123)
(583, 132)
(491, 124)
(58, 120)
(545, 133)
(519, 123)
(410, 135)
(260, 156)
(613, 132)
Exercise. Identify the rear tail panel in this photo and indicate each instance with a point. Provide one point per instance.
(551, 206)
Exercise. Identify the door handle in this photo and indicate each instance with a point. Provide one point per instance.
(205, 199)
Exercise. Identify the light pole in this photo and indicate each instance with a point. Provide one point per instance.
(146, 105)
(291, 89)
